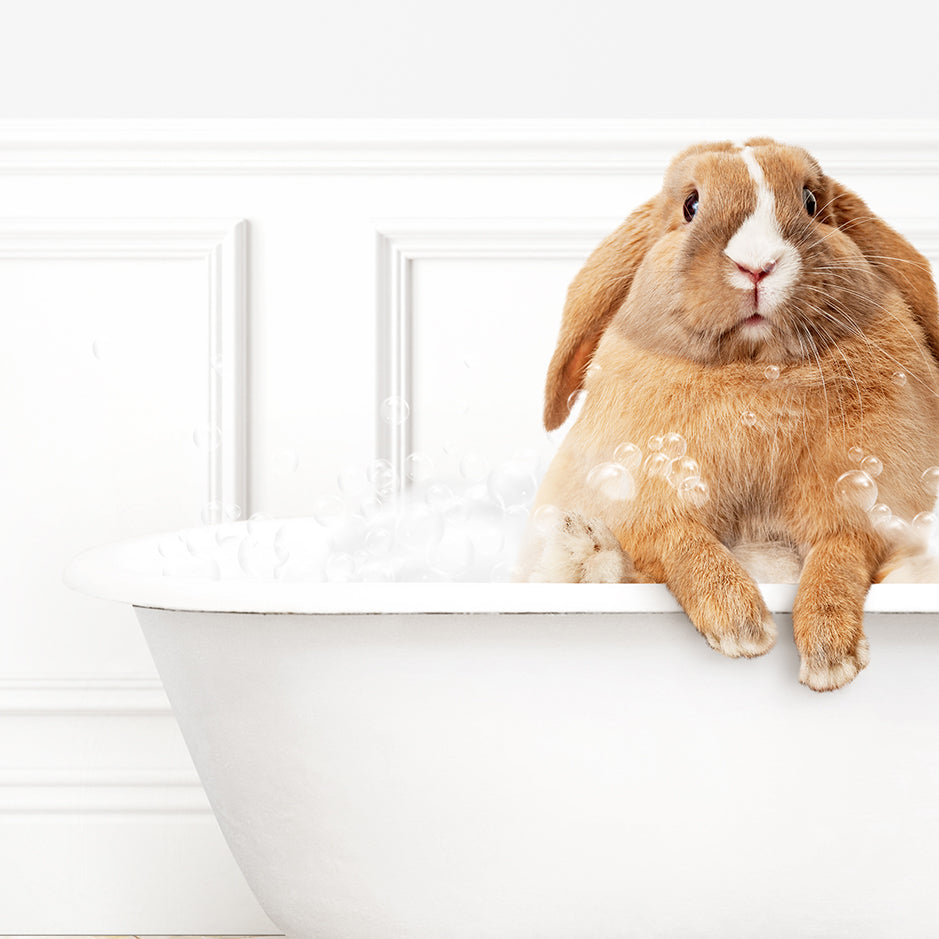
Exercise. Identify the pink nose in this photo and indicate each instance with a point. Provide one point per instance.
(757, 275)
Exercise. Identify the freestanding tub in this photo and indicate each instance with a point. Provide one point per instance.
(536, 761)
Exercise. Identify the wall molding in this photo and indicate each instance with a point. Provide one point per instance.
(107, 790)
(115, 792)
(354, 146)
(97, 696)
(221, 244)
(401, 244)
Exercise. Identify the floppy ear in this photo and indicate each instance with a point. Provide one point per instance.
(892, 256)
(594, 295)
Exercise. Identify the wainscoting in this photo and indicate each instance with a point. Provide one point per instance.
(203, 320)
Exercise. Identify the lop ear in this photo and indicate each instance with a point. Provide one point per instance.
(594, 295)
(892, 256)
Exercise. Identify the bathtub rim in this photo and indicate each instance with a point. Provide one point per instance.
(106, 572)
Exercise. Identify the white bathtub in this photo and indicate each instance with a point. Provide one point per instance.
(535, 761)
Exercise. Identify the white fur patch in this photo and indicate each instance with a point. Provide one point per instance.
(759, 245)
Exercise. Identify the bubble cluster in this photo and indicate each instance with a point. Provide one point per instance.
(432, 528)
(665, 459)
(857, 490)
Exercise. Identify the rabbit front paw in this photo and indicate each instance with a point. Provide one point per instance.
(577, 550)
(742, 637)
(826, 670)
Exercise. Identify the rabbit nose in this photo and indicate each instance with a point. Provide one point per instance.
(757, 275)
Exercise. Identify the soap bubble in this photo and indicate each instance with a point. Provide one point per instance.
(473, 467)
(654, 443)
(613, 481)
(894, 528)
(628, 455)
(395, 410)
(657, 464)
(419, 467)
(683, 469)
(502, 574)
(438, 496)
(207, 437)
(855, 454)
(419, 529)
(379, 541)
(453, 555)
(771, 372)
(923, 525)
(898, 378)
(382, 476)
(694, 491)
(748, 419)
(512, 484)
(872, 466)
(674, 446)
(259, 558)
(340, 567)
(856, 490)
(329, 511)
(286, 462)
(931, 478)
(879, 513)
(547, 518)
(352, 480)
(376, 572)
(215, 512)
(484, 526)
(257, 521)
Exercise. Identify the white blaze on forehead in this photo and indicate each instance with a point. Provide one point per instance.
(758, 244)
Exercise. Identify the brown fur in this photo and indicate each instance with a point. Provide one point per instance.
(654, 310)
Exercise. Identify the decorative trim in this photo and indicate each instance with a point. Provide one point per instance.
(58, 790)
(221, 245)
(402, 243)
(289, 147)
(111, 792)
(68, 697)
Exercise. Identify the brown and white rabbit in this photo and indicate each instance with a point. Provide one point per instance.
(753, 333)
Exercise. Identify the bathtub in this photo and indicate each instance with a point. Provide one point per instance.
(542, 761)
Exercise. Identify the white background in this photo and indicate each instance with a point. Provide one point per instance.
(105, 365)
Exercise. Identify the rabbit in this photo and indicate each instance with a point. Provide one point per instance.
(758, 355)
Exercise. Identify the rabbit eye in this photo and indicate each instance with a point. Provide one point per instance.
(808, 200)
(691, 206)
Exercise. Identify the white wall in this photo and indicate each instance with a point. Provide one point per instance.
(144, 265)
(489, 58)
